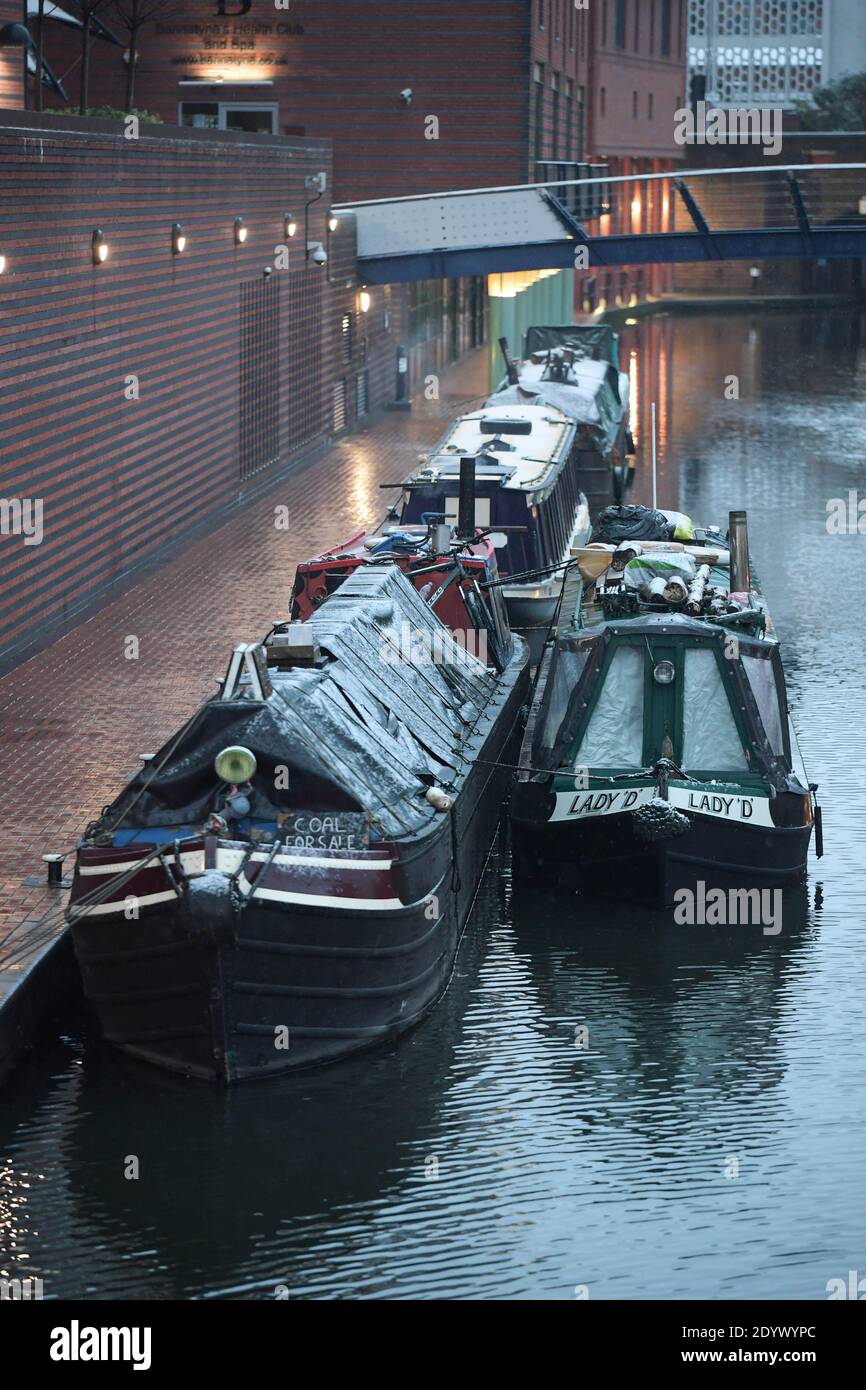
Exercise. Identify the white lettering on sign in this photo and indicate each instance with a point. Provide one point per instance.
(753, 810)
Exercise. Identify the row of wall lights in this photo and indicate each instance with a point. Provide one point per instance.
(99, 248)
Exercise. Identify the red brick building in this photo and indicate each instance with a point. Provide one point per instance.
(11, 59)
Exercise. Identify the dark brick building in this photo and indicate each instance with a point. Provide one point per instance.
(144, 394)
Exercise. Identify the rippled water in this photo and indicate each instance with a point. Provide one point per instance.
(709, 1143)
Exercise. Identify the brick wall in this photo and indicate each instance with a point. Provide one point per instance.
(637, 85)
(335, 69)
(136, 393)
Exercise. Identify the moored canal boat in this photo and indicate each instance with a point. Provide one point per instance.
(527, 497)
(575, 369)
(659, 752)
(287, 880)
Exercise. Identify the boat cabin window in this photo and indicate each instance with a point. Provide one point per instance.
(614, 734)
(711, 740)
(762, 679)
(565, 675)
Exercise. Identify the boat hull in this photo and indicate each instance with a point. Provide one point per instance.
(320, 959)
(605, 856)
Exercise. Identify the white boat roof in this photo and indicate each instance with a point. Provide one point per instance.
(530, 457)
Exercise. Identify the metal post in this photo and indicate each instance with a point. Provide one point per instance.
(401, 397)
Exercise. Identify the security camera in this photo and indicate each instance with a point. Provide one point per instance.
(406, 96)
(268, 270)
(319, 254)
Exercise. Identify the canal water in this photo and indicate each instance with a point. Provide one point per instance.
(708, 1143)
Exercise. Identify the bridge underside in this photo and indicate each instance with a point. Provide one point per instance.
(804, 212)
(763, 244)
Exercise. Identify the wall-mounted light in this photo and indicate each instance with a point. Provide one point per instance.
(333, 223)
(364, 301)
(290, 224)
(178, 240)
(241, 230)
(98, 247)
(2, 264)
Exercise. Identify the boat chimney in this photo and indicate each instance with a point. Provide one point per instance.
(738, 540)
(466, 501)
(511, 371)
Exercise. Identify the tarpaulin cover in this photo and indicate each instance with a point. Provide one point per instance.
(593, 399)
(369, 730)
(659, 565)
(595, 340)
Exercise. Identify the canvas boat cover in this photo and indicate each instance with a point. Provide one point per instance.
(596, 398)
(369, 730)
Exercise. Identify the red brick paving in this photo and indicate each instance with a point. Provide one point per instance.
(74, 718)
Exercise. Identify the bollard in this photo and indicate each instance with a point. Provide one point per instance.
(55, 868)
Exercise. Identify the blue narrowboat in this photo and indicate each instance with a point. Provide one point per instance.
(527, 496)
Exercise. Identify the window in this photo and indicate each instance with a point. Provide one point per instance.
(230, 115)
(539, 110)
(541, 14)
(619, 24)
(762, 679)
(711, 740)
(614, 734)
(557, 19)
(634, 104)
(649, 106)
(666, 29)
(602, 96)
(554, 102)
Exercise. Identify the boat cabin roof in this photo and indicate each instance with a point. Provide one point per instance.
(518, 446)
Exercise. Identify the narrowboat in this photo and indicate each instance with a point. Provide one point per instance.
(575, 369)
(286, 881)
(527, 497)
(659, 752)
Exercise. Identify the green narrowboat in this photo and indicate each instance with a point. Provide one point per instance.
(659, 752)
